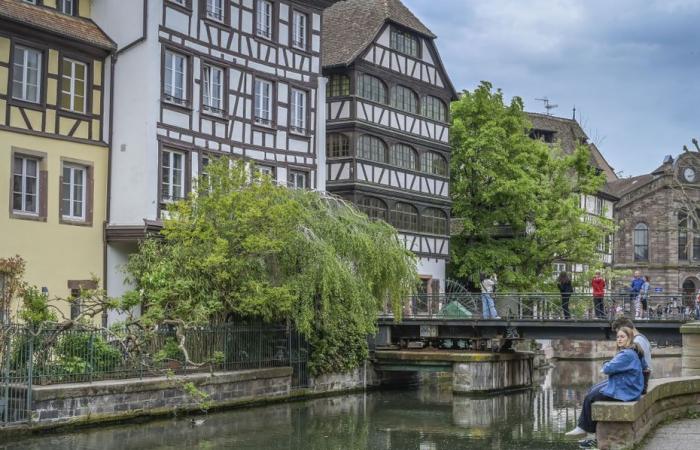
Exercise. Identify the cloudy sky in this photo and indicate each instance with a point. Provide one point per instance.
(631, 67)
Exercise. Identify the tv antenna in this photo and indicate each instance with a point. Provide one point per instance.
(548, 106)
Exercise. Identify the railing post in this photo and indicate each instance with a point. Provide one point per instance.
(30, 375)
(91, 356)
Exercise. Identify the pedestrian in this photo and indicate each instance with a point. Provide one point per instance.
(565, 289)
(697, 306)
(625, 384)
(598, 285)
(640, 339)
(488, 285)
(644, 294)
(635, 292)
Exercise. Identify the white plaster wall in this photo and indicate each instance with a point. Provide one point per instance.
(320, 149)
(433, 267)
(117, 256)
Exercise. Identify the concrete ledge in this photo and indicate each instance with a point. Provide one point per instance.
(621, 425)
(448, 356)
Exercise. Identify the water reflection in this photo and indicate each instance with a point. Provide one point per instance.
(426, 418)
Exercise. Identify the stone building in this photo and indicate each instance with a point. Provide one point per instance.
(657, 216)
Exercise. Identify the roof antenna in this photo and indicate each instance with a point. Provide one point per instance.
(547, 105)
(574, 116)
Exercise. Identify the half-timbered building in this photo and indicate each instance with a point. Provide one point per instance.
(53, 143)
(387, 141)
(197, 79)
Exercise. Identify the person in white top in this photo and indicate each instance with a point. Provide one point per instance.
(488, 307)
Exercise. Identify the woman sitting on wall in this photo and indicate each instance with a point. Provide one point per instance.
(625, 383)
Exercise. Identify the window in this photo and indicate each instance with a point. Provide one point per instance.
(598, 206)
(641, 242)
(215, 10)
(73, 86)
(26, 74)
(338, 85)
(404, 99)
(558, 268)
(404, 42)
(372, 148)
(433, 221)
(683, 236)
(545, 135)
(32, 2)
(66, 6)
(266, 170)
(75, 303)
(373, 207)
(213, 89)
(180, 2)
(263, 102)
(25, 185)
(172, 175)
(298, 110)
(371, 88)
(433, 164)
(297, 180)
(175, 88)
(299, 30)
(434, 108)
(405, 217)
(403, 156)
(73, 183)
(337, 145)
(263, 21)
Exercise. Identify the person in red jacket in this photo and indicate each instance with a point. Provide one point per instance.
(598, 285)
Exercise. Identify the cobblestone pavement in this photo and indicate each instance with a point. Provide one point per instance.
(681, 434)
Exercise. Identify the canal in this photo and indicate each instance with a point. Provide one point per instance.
(425, 417)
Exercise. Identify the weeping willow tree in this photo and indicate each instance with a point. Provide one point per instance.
(242, 244)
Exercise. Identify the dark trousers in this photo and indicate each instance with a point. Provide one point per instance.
(565, 304)
(599, 308)
(585, 420)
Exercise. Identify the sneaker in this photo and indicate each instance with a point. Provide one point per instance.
(588, 443)
(497, 317)
(576, 432)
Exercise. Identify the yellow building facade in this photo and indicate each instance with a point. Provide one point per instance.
(53, 143)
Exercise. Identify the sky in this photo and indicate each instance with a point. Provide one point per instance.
(630, 67)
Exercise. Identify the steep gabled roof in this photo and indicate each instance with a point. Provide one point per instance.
(626, 185)
(351, 25)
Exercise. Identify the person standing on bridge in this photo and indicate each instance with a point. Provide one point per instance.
(488, 308)
(635, 293)
(598, 285)
(565, 289)
(644, 295)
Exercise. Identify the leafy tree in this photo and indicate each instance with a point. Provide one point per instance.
(246, 246)
(502, 180)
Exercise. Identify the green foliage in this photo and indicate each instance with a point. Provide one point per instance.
(83, 352)
(503, 179)
(169, 352)
(246, 246)
(35, 307)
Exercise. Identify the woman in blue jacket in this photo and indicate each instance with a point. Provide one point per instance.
(625, 380)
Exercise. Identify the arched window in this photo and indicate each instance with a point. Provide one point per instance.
(434, 108)
(373, 207)
(403, 156)
(371, 88)
(683, 235)
(372, 148)
(433, 163)
(337, 145)
(433, 221)
(404, 99)
(404, 217)
(338, 85)
(641, 242)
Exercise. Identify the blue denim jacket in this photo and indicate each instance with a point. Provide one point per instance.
(625, 379)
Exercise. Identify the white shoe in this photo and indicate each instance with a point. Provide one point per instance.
(576, 432)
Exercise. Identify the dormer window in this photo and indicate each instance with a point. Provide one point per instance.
(66, 6)
(545, 135)
(404, 42)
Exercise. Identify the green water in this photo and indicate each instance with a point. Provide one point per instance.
(426, 417)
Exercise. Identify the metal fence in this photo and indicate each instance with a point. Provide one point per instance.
(53, 355)
(551, 306)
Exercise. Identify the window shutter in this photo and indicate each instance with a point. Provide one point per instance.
(89, 195)
(43, 185)
(435, 286)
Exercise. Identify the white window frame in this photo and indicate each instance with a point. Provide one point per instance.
(213, 93)
(300, 29)
(263, 19)
(166, 163)
(215, 10)
(293, 178)
(298, 106)
(266, 170)
(263, 102)
(73, 80)
(170, 77)
(61, 6)
(69, 187)
(24, 183)
(23, 95)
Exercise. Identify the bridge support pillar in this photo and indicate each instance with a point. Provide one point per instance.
(494, 372)
(691, 349)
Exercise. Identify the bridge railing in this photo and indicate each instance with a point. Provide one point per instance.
(551, 306)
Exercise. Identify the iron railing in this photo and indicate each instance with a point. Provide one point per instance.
(548, 306)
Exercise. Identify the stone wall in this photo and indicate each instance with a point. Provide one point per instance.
(582, 349)
(359, 378)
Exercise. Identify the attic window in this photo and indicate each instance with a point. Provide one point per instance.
(404, 42)
(545, 135)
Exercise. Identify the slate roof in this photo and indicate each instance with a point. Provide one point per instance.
(623, 186)
(52, 21)
(351, 25)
